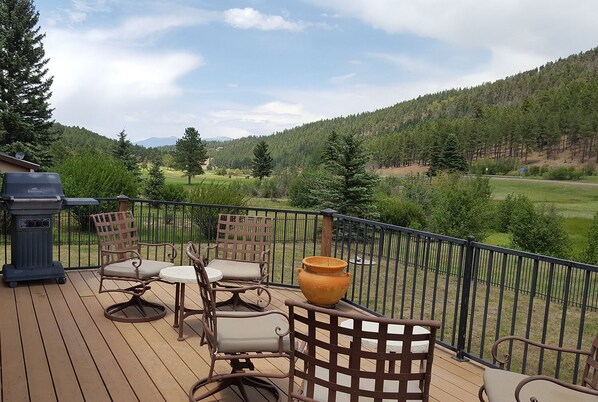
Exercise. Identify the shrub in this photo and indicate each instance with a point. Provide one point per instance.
(416, 188)
(505, 209)
(173, 192)
(590, 254)
(220, 171)
(564, 173)
(299, 189)
(494, 166)
(539, 231)
(96, 176)
(214, 194)
(588, 169)
(460, 207)
(396, 211)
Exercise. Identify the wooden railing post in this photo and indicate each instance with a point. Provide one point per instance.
(123, 203)
(326, 243)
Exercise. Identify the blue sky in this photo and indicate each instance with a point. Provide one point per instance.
(238, 68)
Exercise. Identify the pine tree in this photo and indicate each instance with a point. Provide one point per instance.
(435, 158)
(347, 186)
(154, 184)
(123, 151)
(25, 113)
(262, 161)
(190, 154)
(452, 158)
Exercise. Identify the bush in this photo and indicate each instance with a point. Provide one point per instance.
(214, 194)
(460, 207)
(96, 176)
(300, 189)
(589, 169)
(494, 166)
(590, 254)
(173, 192)
(416, 188)
(539, 231)
(511, 203)
(220, 172)
(564, 173)
(403, 213)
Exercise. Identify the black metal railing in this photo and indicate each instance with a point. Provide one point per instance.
(478, 292)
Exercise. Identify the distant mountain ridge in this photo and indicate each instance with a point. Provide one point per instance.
(154, 142)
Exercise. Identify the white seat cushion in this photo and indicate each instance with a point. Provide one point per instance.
(500, 387)
(321, 393)
(147, 269)
(237, 270)
(255, 334)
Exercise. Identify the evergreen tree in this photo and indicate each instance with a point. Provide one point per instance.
(347, 186)
(452, 158)
(435, 156)
(123, 151)
(25, 113)
(154, 185)
(262, 161)
(190, 154)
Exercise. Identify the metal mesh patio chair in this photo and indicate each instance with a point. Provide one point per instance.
(382, 359)
(503, 385)
(242, 253)
(238, 337)
(121, 260)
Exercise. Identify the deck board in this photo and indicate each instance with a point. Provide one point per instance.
(56, 345)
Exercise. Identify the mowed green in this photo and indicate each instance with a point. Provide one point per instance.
(572, 199)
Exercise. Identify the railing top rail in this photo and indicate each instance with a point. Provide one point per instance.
(246, 208)
(539, 257)
(400, 228)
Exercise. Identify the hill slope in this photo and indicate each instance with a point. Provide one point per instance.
(550, 109)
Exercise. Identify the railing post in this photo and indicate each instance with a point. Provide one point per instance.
(123, 203)
(326, 242)
(464, 308)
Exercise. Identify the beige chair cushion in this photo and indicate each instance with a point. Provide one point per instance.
(321, 393)
(254, 334)
(237, 270)
(147, 269)
(500, 387)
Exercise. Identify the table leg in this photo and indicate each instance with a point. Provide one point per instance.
(181, 311)
(177, 307)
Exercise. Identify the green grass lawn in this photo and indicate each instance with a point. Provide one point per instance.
(572, 199)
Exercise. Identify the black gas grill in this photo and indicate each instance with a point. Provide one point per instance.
(32, 199)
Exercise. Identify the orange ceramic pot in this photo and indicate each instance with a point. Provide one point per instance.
(322, 280)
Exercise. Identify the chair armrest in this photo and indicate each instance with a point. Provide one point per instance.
(506, 357)
(135, 256)
(573, 387)
(206, 251)
(173, 252)
(235, 289)
(265, 262)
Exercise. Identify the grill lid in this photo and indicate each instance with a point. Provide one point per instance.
(32, 186)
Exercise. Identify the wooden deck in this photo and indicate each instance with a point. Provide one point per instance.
(56, 345)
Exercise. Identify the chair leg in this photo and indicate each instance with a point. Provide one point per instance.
(481, 393)
(239, 382)
(225, 381)
(135, 310)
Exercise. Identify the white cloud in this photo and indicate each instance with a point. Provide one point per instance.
(339, 79)
(248, 18)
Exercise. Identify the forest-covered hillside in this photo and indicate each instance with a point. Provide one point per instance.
(551, 109)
